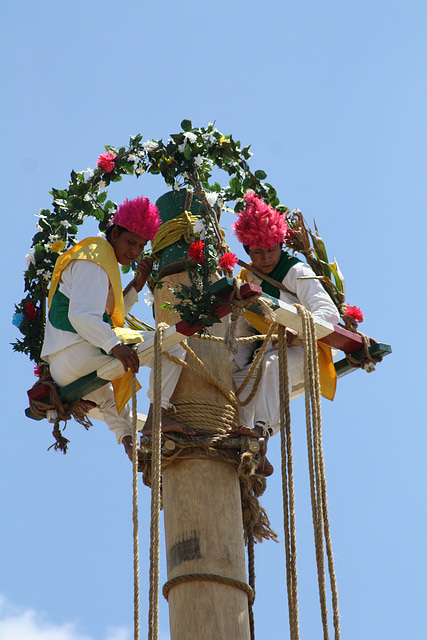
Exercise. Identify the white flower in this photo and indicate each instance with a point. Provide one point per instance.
(176, 186)
(29, 258)
(66, 224)
(191, 137)
(149, 145)
(53, 238)
(185, 175)
(102, 184)
(198, 160)
(199, 227)
(139, 171)
(88, 173)
(44, 274)
(181, 147)
(132, 157)
(149, 298)
(211, 198)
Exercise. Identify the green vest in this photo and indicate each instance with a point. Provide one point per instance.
(58, 313)
(279, 272)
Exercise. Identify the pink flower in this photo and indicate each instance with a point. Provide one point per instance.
(355, 313)
(258, 225)
(195, 252)
(106, 162)
(228, 261)
(30, 310)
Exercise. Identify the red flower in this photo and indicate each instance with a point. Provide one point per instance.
(37, 371)
(355, 313)
(228, 261)
(30, 310)
(195, 252)
(106, 162)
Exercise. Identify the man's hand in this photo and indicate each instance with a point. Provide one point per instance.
(127, 443)
(292, 338)
(143, 270)
(127, 357)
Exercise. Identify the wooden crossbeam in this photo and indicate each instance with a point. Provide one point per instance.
(145, 350)
(332, 335)
(285, 314)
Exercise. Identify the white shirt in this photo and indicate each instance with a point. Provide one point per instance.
(86, 285)
(310, 294)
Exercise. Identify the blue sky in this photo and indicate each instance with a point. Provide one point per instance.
(332, 97)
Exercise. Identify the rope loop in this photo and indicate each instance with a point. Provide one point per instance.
(45, 403)
(209, 577)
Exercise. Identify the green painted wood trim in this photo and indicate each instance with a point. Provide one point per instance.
(75, 390)
(378, 350)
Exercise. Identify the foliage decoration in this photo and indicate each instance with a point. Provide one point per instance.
(301, 239)
(186, 159)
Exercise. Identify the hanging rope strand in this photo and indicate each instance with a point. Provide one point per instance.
(317, 472)
(135, 510)
(321, 478)
(153, 622)
(288, 487)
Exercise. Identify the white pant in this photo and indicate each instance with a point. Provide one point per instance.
(265, 405)
(82, 358)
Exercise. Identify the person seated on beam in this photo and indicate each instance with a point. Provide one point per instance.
(84, 328)
(262, 230)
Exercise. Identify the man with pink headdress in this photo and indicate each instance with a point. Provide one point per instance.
(84, 328)
(262, 230)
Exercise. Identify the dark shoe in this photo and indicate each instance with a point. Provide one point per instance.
(265, 468)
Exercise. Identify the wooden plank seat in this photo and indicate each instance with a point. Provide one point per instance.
(287, 315)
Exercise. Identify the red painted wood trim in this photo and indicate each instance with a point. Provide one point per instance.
(343, 339)
(246, 291)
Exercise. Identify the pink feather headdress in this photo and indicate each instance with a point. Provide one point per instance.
(259, 225)
(139, 216)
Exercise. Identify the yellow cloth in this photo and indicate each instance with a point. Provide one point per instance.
(100, 251)
(327, 373)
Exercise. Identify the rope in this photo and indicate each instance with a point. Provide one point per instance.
(263, 276)
(255, 362)
(208, 577)
(135, 509)
(205, 416)
(367, 361)
(171, 231)
(54, 410)
(288, 487)
(251, 576)
(317, 472)
(153, 614)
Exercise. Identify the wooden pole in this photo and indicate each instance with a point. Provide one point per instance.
(203, 515)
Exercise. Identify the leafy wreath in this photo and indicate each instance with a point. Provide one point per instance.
(186, 159)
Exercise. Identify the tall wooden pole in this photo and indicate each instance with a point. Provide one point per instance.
(203, 517)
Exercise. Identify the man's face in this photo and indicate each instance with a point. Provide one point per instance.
(265, 259)
(127, 245)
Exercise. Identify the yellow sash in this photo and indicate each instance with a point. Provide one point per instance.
(327, 373)
(100, 251)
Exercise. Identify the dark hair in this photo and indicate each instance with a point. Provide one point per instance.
(110, 228)
(246, 247)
